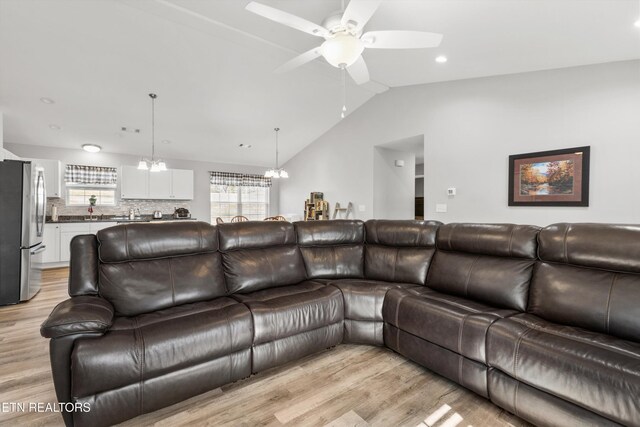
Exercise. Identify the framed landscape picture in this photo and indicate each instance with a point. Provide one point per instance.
(550, 178)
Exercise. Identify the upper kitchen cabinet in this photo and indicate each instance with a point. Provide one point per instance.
(167, 185)
(53, 175)
(134, 183)
(182, 184)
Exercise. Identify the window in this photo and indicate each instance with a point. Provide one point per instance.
(239, 194)
(82, 182)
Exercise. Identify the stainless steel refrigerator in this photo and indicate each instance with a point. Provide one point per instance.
(22, 214)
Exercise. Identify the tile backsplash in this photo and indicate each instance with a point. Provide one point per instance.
(121, 208)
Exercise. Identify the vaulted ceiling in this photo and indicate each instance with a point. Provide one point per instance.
(211, 63)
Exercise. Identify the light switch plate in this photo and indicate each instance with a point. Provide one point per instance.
(362, 208)
(451, 191)
(441, 207)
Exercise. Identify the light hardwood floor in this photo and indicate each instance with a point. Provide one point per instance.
(348, 385)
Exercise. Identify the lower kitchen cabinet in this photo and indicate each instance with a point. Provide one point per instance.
(58, 238)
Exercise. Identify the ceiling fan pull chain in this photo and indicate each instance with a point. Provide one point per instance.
(344, 92)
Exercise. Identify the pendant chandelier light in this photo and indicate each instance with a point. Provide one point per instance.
(153, 165)
(276, 172)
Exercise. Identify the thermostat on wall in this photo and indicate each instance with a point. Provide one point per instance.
(451, 191)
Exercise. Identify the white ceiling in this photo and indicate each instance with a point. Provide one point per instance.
(211, 62)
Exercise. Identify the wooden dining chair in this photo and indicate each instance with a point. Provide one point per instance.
(219, 220)
(239, 218)
(275, 218)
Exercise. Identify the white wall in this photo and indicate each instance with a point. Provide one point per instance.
(393, 187)
(470, 128)
(200, 206)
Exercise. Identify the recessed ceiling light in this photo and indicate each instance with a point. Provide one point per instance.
(166, 141)
(54, 127)
(91, 148)
(244, 145)
(47, 100)
(441, 59)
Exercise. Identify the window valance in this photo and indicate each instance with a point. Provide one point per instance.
(239, 179)
(90, 175)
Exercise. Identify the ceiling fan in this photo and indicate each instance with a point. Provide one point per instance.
(344, 40)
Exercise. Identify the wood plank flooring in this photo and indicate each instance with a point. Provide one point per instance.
(348, 385)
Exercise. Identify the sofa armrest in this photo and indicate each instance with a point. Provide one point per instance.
(78, 315)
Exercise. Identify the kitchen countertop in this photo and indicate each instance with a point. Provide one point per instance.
(118, 219)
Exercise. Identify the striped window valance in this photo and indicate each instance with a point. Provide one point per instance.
(239, 179)
(90, 175)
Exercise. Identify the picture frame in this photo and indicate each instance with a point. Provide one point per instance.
(550, 178)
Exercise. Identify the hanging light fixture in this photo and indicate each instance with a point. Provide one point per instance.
(153, 165)
(276, 172)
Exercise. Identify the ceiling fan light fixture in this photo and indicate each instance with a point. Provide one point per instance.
(342, 50)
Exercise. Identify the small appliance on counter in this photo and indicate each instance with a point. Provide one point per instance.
(157, 215)
(181, 213)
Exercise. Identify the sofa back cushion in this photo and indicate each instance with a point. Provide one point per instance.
(491, 263)
(260, 254)
(399, 251)
(589, 276)
(332, 249)
(147, 267)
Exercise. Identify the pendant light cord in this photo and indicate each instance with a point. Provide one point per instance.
(153, 97)
(344, 92)
(277, 130)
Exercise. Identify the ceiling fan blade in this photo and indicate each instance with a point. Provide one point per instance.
(358, 12)
(299, 60)
(400, 39)
(287, 19)
(359, 71)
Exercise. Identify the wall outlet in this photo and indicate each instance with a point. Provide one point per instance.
(451, 191)
(362, 208)
(441, 207)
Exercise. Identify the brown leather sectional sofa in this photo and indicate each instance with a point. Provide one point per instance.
(544, 323)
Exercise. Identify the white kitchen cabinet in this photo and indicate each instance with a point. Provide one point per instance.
(167, 185)
(53, 176)
(181, 184)
(160, 185)
(64, 233)
(51, 240)
(134, 183)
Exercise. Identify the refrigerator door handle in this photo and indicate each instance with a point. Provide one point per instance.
(41, 248)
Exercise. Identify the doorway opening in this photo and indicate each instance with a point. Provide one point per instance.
(398, 188)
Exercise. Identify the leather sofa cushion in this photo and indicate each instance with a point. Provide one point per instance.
(497, 281)
(595, 371)
(83, 268)
(538, 407)
(401, 233)
(604, 246)
(255, 234)
(78, 315)
(503, 240)
(128, 242)
(250, 270)
(363, 298)
(455, 323)
(336, 232)
(598, 300)
(290, 310)
(259, 255)
(399, 251)
(332, 249)
(143, 286)
(151, 345)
